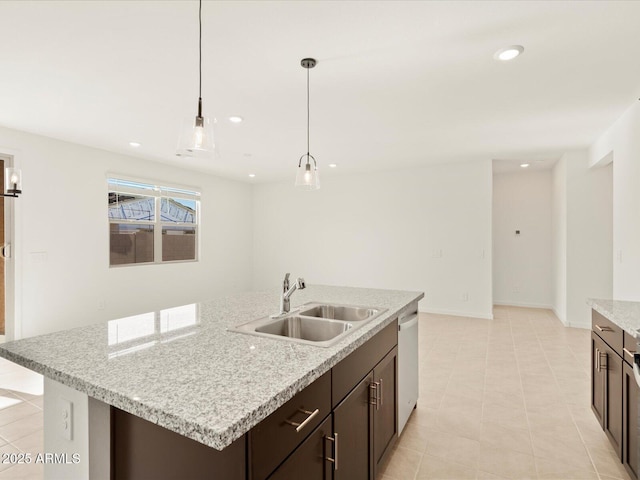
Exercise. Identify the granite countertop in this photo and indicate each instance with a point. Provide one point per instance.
(623, 313)
(183, 370)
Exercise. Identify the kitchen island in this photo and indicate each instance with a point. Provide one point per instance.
(183, 371)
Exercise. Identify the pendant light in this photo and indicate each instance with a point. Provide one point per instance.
(196, 136)
(307, 177)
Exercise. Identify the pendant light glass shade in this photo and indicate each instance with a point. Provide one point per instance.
(307, 177)
(196, 138)
(13, 181)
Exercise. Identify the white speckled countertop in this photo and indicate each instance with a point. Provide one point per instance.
(181, 369)
(623, 313)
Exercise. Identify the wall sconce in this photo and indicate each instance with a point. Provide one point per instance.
(12, 182)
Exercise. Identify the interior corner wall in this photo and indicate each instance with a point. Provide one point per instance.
(62, 255)
(522, 262)
(426, 229)
(589, 236)
(582, 233)
(559, 239)
(623, 142)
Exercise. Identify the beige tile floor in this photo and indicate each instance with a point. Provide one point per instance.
(20, 419)
(506, 398)
(499, 399)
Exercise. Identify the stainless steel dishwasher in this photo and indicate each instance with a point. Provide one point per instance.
(407, 367)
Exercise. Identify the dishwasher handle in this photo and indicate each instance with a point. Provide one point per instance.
(407, 322)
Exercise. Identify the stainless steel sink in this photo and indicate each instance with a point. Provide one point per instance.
(312, 329)
(341, 312)
(319, 324)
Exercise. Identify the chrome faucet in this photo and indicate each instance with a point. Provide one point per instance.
(285, 305)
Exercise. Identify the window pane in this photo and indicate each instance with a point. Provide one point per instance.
(177, 210)
(178, 243)
(130, 243)
(128, 206)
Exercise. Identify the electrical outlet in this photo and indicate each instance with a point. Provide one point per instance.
(437, 253)
(65, 410)
(102, 304)
(464, 296)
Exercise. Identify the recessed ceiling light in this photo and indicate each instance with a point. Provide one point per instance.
(508, 53)
(524, 165)
(134, 144)
(235, 119)
(252, 175)
(332, 165)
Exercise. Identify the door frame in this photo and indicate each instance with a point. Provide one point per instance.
(12, 208)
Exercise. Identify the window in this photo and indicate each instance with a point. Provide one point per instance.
(151, 223)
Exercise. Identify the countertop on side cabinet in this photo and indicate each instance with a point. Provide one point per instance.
(183, 370)
(623, 313)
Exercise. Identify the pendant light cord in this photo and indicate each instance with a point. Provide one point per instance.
(308, 115)
(200, 60)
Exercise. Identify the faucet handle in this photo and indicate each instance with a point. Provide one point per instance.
(301, 283)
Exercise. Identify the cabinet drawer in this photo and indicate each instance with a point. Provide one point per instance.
(630, 347)
(348, 373)
(608, 331)
(273, 439)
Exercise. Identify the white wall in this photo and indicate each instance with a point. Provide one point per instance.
(585, 210)
(425, 229)
(522, 263)
(559, 239)
(63, 214)
(622, 143)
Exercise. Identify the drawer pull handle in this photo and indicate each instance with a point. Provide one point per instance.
(381, 393)
(334, 460)
(603, 329)
(300, 426)
(628, 352)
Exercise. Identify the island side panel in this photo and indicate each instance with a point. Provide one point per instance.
(70, 442)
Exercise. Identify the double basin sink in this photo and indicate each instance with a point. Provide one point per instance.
(314, 323)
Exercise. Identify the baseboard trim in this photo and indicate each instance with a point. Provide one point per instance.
(525, 305)
(457, 313)
(562, 320)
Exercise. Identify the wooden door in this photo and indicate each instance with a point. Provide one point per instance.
(385, 415)
(2, 261)
(630, 412)
(352, 421)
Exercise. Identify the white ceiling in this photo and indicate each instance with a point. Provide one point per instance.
(398, 84)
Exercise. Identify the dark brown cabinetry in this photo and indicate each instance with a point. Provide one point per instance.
(340, 427)
(312, 459)
(614, 391)
(353, 423)
(385, 422)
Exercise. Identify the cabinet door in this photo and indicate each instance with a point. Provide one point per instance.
(630, 412)
(385, 415)
(352, 423)
(309, 460)
(611, 364)
(597, 378)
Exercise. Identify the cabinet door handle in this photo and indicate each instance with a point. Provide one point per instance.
(381, 393)
(597, 360)
(373, 394)
(603, 329)
(300, 426)
(334, 460)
